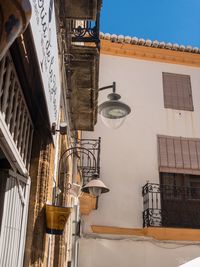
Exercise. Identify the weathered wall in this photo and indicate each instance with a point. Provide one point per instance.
(41, 173)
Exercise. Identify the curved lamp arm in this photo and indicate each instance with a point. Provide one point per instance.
(71, 152)
(95, 187)
(113, 86)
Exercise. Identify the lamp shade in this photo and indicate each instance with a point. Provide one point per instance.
(95, 188)
(113, 112)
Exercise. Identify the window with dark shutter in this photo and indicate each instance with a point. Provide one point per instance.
(179, 167)
(177, 91)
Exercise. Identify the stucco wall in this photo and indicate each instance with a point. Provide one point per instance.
(129, 159)
(130, 253)
(129, 154)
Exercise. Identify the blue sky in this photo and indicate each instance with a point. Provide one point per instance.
(175, 21)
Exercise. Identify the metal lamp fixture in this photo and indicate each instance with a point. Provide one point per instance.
(113, 111)
(95, 186)
(62, 128)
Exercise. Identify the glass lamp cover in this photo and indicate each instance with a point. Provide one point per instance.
(95, 191)
(112, 123)
(113, 112)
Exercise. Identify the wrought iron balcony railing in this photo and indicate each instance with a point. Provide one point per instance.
(171, 206)
(86, 31)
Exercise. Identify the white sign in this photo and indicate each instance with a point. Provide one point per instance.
(44, 33)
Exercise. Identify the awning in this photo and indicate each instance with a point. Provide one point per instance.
(179, 154)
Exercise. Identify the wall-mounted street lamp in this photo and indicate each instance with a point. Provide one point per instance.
(95, 186)
(62, 128)
(113, 111)
(56, 215)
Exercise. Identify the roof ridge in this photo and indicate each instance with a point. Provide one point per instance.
(149, 43)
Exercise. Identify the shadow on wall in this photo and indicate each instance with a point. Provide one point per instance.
(39, 238)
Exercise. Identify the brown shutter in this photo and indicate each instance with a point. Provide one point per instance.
(179, 155)
(162, 148)
(177, 91)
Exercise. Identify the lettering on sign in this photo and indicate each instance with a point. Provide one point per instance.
(44, 33)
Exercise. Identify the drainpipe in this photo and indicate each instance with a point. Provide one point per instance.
(75, 237)
(74, 260)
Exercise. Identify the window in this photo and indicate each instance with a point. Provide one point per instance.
(177, 91)
(179, 167)
(180, 186)
(180, 200)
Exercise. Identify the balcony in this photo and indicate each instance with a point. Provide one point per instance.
(80, 21)
(171, 206)
(83, 87)
(80, 43)
(85, 31)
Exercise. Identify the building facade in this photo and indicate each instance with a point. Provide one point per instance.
(151, 163)
(47, 77)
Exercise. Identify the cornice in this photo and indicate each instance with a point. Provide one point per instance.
(158, 233)
(149, 53)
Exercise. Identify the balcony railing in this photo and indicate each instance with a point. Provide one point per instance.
(171, 206)
(85, 31)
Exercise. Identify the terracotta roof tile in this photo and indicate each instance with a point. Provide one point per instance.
(140, 41)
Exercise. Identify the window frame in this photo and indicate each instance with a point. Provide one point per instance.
(175, 97)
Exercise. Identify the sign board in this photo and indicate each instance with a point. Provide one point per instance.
(43, 27)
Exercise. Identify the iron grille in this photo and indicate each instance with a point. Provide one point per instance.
(85, 31)
(86, 163)
(171, 206)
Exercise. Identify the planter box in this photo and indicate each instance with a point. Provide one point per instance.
(56, 218)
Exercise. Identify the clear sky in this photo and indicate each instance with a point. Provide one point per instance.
(175, 21)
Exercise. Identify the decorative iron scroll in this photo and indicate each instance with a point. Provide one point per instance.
(86, 164)
(86, 31)
(171, 206)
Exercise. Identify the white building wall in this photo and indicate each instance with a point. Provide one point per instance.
(129, 154)
(129, 160)
(130, 253)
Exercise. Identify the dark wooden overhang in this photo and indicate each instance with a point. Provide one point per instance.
(82, 9)
(84, 72)
(79, 31)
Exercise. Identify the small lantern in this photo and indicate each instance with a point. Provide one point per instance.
(56, 219)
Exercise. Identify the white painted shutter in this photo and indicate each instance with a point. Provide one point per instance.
(13, 227)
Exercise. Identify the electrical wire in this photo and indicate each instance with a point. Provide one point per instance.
(158, 243)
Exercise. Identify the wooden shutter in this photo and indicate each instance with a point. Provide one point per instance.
(15, 121)
(177, 91)
(179, 155)
(13, 227)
